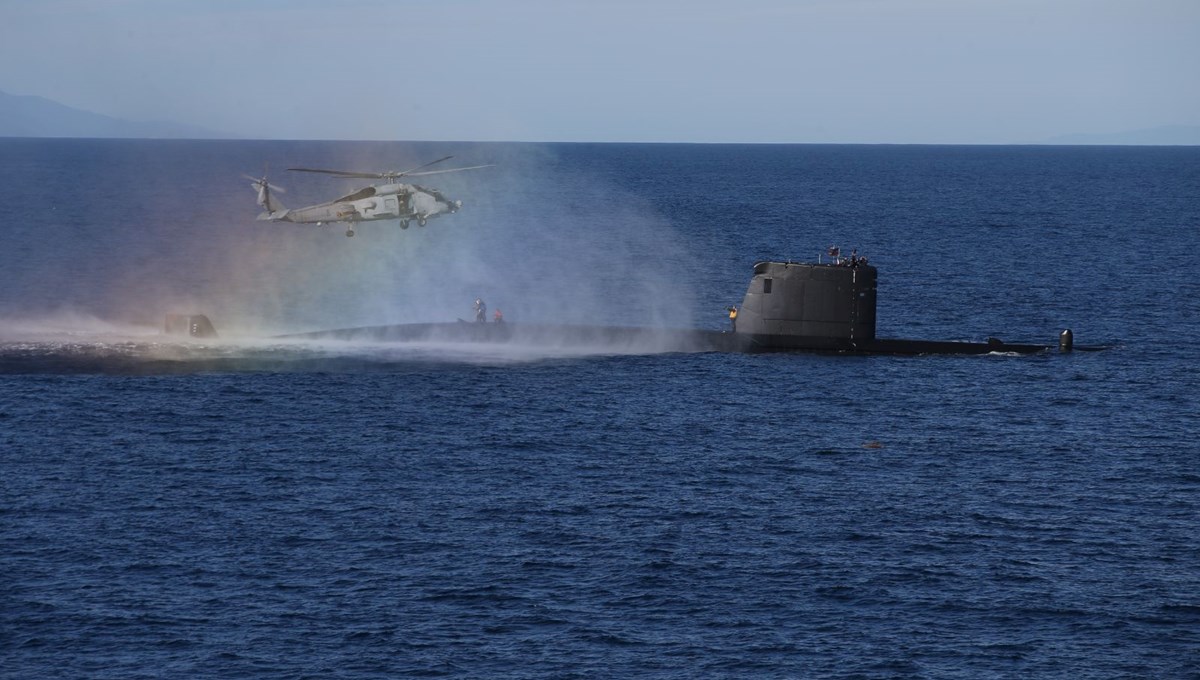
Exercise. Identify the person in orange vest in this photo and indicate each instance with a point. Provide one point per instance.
(498, 317)
(733, 319)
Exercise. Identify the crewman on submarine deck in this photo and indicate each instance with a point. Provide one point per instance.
(498, 316)
(733, 319)
(480, 310)
(853, 261)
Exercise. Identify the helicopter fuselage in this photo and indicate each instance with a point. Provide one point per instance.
(403, 202)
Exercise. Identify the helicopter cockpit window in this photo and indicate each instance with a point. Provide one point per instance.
(361, 193)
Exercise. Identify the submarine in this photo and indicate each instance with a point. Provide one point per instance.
(827, 307)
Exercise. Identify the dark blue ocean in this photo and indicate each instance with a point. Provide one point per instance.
(258, 507)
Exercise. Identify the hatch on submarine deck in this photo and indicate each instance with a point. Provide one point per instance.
(194, 325)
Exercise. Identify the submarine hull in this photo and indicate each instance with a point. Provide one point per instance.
(788, 307)
(634, 339)
(567, 336)
(776, 343)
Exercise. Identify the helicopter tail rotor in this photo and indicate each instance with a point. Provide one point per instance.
(264, 189)
(262, 182)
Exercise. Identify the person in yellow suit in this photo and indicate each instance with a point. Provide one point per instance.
(733, 319)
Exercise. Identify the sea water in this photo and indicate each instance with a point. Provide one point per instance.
(251, 506)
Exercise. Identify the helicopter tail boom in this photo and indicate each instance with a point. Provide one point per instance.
(277, 216)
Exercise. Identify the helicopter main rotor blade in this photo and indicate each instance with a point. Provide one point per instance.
(410, 170)
(393, 175)
(438, 172)
(342, 173)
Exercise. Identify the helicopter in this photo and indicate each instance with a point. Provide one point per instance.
(389, 201)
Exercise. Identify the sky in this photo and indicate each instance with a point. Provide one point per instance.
(756, 71)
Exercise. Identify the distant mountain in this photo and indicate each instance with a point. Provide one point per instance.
(29, 116)
(1170, 135)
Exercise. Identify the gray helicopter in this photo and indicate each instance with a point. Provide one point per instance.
(390, 201)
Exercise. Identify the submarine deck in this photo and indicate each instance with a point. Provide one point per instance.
(652, 340)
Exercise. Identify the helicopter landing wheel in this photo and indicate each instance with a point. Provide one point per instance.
(349, 233)
(404, 224)
(421, 222)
